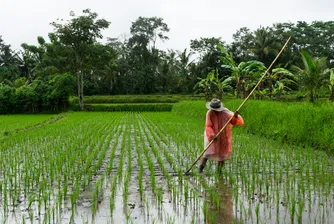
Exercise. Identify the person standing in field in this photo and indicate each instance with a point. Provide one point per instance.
(221, 149)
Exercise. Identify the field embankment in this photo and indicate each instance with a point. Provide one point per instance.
(153, 103)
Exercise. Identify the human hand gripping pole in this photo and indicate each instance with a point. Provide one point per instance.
(242, 104)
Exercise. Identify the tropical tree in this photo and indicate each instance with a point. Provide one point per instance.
(143, 58)
(8, 63)
(280, 80)
(313, 74)
(331, 84)
(244, 73)
(241, 44)
(79, 34)
(209, 54)
(213, 86)
(184, 63)
(264, 45)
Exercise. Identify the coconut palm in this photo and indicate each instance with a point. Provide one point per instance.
(313, 75)
(183, 65)
(264, 44)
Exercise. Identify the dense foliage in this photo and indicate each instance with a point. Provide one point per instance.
(135, 65)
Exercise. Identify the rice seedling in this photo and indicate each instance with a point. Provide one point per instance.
(50, 167)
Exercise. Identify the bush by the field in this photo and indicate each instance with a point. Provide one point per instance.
(126, 107)
(117, 99)
(301, 123)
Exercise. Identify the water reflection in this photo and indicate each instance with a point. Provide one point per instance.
(218, 204)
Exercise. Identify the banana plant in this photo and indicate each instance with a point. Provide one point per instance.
(282, 79)
(331, 84)
(212, 85)
(244, 73)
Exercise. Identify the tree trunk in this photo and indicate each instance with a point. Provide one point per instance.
(270, 87)
(81, 93)
(311, 96)
(111, 86)
(79, 88)
(237, 89)
(244, 91)
(332, 95)
(80, 81)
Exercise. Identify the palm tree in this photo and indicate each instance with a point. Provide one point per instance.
(312, 76)
(264, 44)
(183, 66)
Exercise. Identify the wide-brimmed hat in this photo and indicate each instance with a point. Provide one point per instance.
(215, 104)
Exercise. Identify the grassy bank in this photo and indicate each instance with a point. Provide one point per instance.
(156, 107)
(116, 99)
(298, 123)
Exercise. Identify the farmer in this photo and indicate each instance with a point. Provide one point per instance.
(216, 118)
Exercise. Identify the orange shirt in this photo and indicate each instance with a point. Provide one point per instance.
(221, 148)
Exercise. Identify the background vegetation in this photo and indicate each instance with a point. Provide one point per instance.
(75, 62)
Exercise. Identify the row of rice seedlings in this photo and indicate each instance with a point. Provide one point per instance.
(163, 142)
(157, 152)
(264, 184)
(284, 179)
(183, 187)
(114, 182)
(158, 134)
(147, 156)
(141, 165)
(172, 125)
(159, 192)
(75, 180)
(114, 147)
(129, 165)
(97, 196)
(42, 168)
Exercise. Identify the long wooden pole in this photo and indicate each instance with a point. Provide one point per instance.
(242, 104)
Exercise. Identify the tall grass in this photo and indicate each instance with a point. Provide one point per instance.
(299, 123)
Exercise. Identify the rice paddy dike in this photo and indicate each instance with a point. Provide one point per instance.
(128, 167)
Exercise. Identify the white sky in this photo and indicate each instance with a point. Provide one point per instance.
(24, 20)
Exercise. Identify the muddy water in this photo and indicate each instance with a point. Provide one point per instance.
(231, 197)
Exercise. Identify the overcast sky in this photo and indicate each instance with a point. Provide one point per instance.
(24, 20)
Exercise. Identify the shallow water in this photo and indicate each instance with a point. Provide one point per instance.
(264, 182)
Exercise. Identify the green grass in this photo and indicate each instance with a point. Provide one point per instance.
(117, 99)
(127, 107)
(300, 123)
(9, 123)
(125, 159)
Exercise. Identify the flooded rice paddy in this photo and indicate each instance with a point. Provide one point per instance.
(129, 168)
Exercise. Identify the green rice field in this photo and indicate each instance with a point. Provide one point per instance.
(128, 167)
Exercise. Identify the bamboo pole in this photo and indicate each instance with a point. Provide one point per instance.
(242, 104)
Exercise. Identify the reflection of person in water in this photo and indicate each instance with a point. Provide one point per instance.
(219, 210)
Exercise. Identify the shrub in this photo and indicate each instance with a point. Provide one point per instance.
(7, 99)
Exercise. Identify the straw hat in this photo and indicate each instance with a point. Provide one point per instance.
(215, 104)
